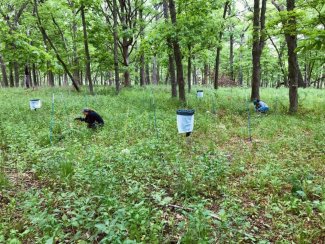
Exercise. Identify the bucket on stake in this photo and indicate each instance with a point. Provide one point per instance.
(199, 93)
(185, 121)
(35, 104)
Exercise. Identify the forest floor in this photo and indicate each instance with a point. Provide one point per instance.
(138, 180)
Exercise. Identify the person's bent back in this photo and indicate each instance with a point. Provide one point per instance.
(92, 118)
(260, 106)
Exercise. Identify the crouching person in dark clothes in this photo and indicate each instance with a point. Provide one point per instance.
(92, 118)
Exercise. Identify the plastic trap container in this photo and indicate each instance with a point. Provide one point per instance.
(185, 120)
(35, 104)
(199, 93)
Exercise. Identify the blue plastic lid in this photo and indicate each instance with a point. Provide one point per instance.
(199, 90)
(187, 112)
(34, 100)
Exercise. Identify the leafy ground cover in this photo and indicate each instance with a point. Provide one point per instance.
(137, 180)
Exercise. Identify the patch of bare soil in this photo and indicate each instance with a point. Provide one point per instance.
(22, 180)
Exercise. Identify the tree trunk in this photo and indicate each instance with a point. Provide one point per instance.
(75, 70)
(88, 71)
(171, 64)
(16, 69)
(50, 78)
(125, 50)
(205, 74)
(231, 56)
(171, 70)
(65, 79)
(166, 78)
(301, 82)
(147, 74)
(142, 64)
(240, 75)
(217, 61)
(125, 43)
(194, 76)
(115, 34)
(27, 77)
(291, 40)
(4, 72)
(154, 70)
(280, 62)
(178, 55)
(35, 82)
(11, 75)
(75, 84)
(142, 71)
(189, 69)
(258, 44)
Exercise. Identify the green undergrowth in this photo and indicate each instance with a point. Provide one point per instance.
(138, 180)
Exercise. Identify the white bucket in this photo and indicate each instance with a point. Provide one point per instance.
(199, 93)
(185, 121)
(35, 104)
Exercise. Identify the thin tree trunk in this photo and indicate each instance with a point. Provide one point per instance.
(194, 76)
(65, 79)
(4, 72)
(147, 74)
(16, 69)
(50, 78)
(27, 77)
(301, 82)
(280, 62)
(189, 69)
(178, 55)
(258, 44)
(205, 74)
(75, 58)
(171, 64)
(125, 43)
(11, 75)
(240, 75)
(154, 70)
(75, 84)
(167, 78)
(115, 34)
(231, 56)
(291, 40)
(217, 61)
(88, 71)
(171, 71)
(125, 49)
(35, 82)
(142, 61)
(142, 71)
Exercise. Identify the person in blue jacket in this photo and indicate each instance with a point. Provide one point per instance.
(260, 106)
(92, 118)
